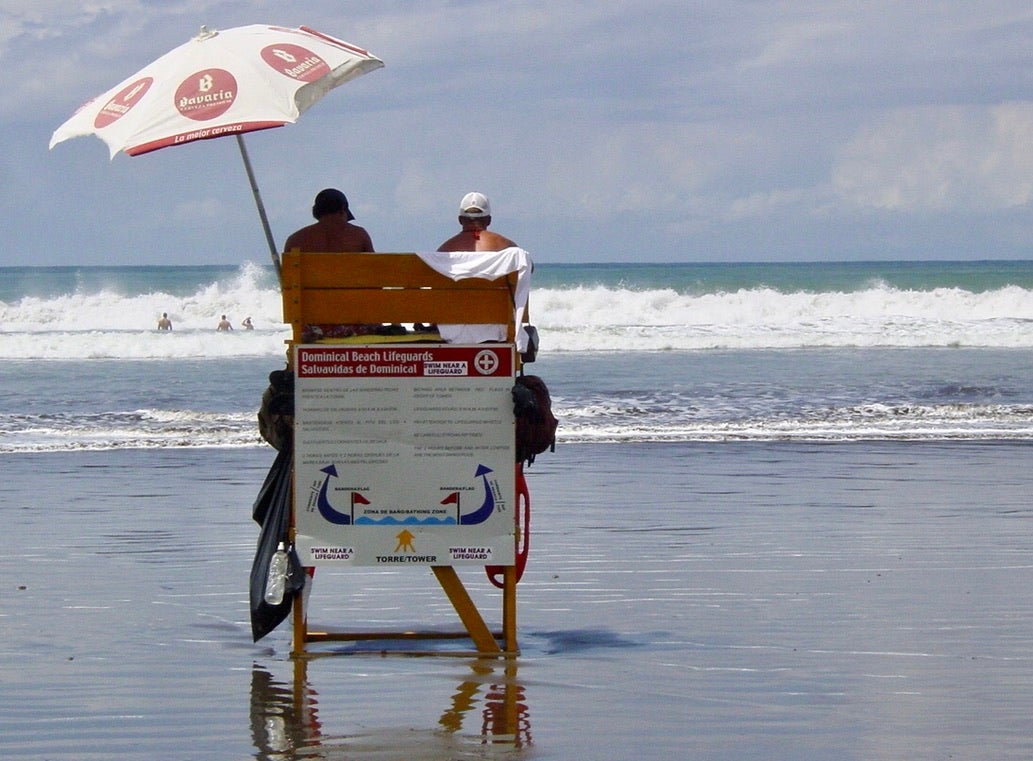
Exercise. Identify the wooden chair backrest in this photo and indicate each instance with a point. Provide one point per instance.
(333, 288)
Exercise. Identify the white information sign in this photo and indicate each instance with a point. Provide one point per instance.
(404, 454)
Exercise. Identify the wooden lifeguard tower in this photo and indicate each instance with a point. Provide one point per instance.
(404, 442)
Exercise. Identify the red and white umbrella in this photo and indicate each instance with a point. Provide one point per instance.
(219, 84)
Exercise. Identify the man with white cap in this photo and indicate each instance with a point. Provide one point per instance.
(474, 217)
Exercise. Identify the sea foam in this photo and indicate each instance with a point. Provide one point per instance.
(104, 323)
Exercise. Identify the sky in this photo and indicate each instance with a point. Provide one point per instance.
(602, 131)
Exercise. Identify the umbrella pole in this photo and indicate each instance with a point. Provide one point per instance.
(258, 202)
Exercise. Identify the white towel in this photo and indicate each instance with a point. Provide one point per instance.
(489, 265)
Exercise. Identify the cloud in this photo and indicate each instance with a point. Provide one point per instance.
(197, 211)
(792, 42)
(940, 159)
(594, 127)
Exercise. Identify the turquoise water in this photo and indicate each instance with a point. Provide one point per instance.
(701, 278)
(698, 278)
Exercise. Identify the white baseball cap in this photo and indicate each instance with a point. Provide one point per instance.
(475, 205)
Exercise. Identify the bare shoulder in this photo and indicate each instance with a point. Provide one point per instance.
(365, 242)
(455, 243)
(497, 242)
(300, 239)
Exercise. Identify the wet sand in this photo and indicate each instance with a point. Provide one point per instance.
(721, 601)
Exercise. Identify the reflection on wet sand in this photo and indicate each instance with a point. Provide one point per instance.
(282, 717)
(488, 710)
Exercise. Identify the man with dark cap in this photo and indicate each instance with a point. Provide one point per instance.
(333, 231)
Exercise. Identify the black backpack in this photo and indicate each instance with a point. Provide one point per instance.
(535, 423)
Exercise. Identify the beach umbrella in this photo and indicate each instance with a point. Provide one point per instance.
(220, 84)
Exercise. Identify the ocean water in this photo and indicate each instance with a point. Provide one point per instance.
(786, 519)
(682, 352)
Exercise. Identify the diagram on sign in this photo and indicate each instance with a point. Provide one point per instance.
(486, 508)
(364, 511)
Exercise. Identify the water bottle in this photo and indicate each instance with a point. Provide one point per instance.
(277, 578)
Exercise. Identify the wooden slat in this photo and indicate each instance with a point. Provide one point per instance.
(369, 306)
(467, 610)
(361, 270)
(368, 271)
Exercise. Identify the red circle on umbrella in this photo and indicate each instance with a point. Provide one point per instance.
(124, 100)
(208, 94)
(295, 62)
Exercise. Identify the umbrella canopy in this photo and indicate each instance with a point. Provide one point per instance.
(220, 83)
